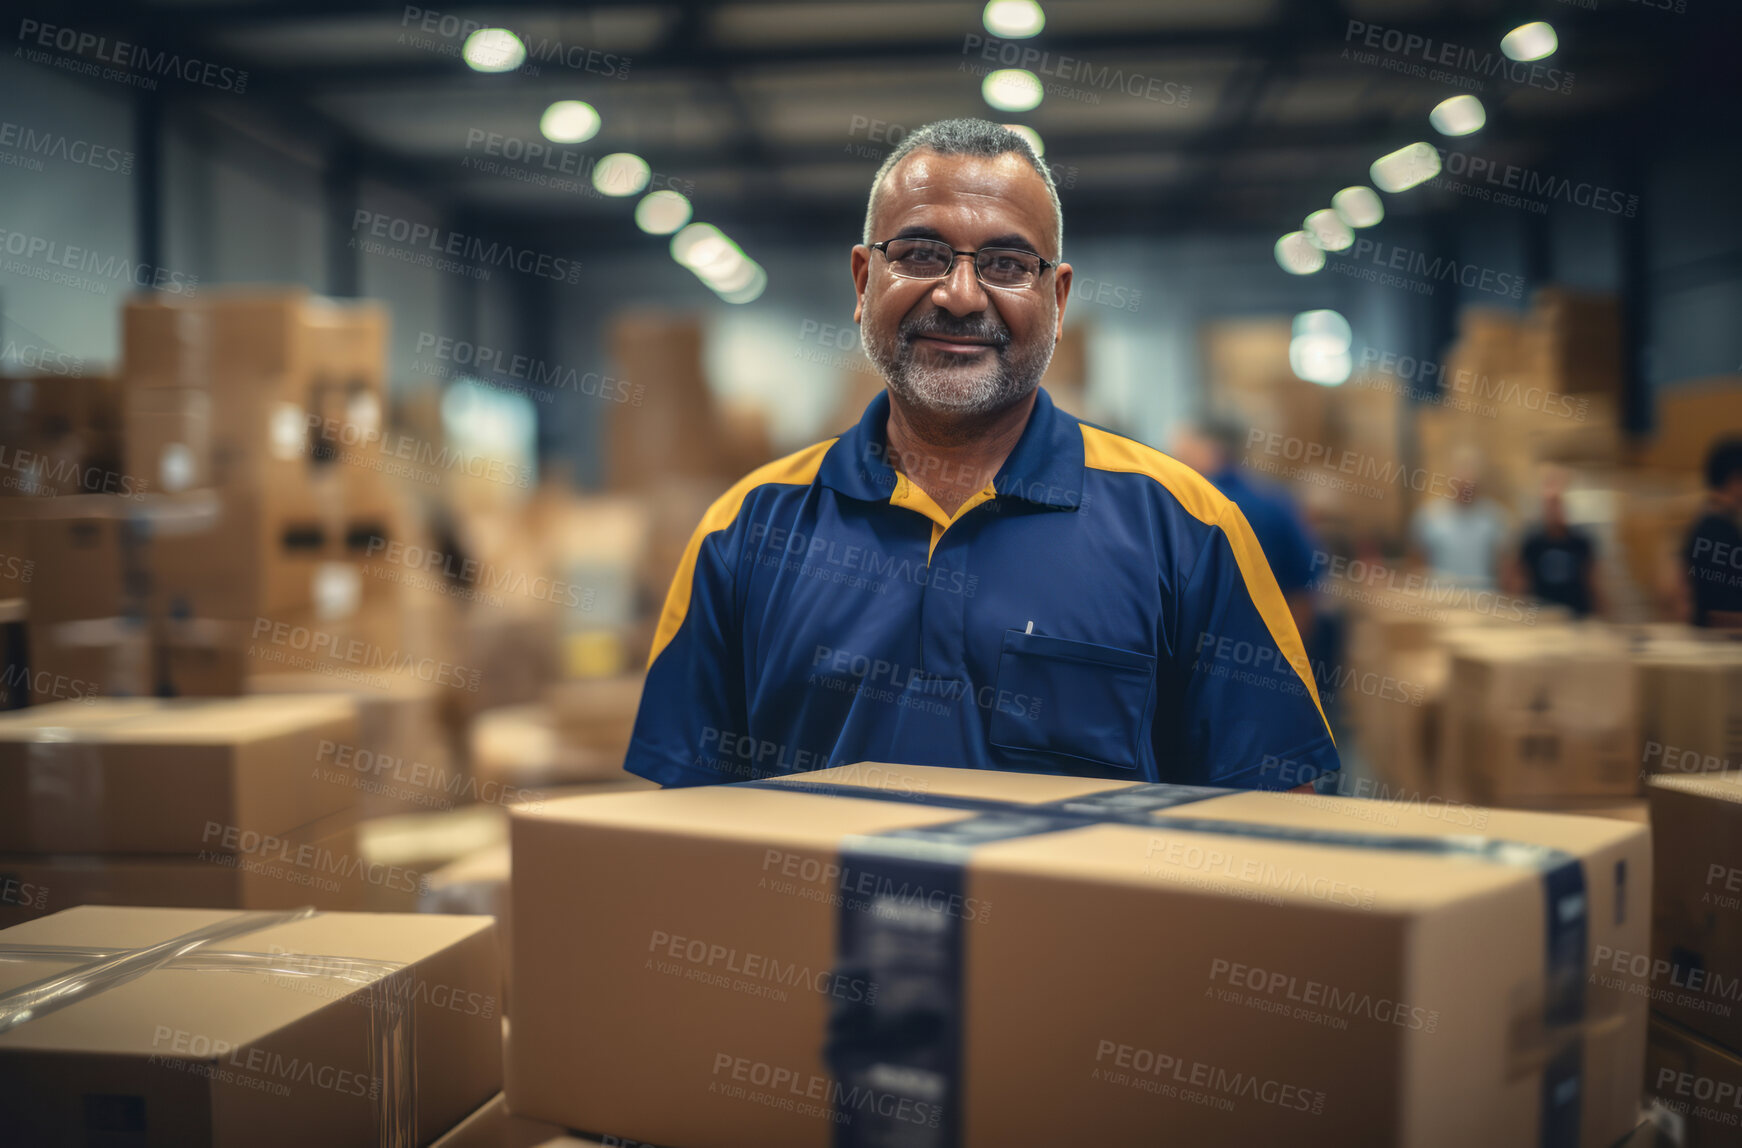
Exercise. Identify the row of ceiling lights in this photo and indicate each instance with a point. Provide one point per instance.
(1319, 352)
(701, 247)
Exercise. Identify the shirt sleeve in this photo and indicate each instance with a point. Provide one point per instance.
(690, 727)
(1249, 704)
(1295, 570)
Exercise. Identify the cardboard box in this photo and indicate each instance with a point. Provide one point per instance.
(522, 746)
(1696, 933)
(1183, 975)
(1697, 1082)
(150, 775)
(90, 658)
(1691, 706)
(81, 567)
(487, 1127)
(292, 1054)
(1691, 417)
(318, 865)
(1540, 714)
(399, 759)
(165, 344)
(477, 884)
(199, 658)
(597, 713)
(169, 437)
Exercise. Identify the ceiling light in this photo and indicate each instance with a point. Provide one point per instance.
(685, 242)
(621, 173)
(662, 212)
(1458, 116)
(1326, 230)
(751, 291)
(1296, 254)
(1014, 19)
(1358, 206)
(493, 50)
(569, 121)
(1406, 167)
(1529, 42)
(1012, 90)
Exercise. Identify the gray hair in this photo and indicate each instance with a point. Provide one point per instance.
(969, 137)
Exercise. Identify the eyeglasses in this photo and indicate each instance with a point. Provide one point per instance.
(1010, 268)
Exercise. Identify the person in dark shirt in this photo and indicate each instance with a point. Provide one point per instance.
(1558, 559)
(1714, 546)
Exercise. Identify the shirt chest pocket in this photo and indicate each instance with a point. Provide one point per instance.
(1077, 699)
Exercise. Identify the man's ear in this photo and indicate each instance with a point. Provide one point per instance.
(1062, 288)
(861, 264)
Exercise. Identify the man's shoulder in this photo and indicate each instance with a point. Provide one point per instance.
(798, 469)
(1152, 472)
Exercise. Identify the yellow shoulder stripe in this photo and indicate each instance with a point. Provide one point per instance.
(798, 469)
(1194, 492)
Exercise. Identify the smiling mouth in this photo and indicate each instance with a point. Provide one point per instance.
(954, 346)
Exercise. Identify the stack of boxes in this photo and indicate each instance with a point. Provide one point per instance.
(1694, 1062)
(196, 802)
(226, 509)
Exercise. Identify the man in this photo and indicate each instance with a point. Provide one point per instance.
(1213, 450)
(1714, 546)
(1559, 561)
(1461, 539)
(971, 577)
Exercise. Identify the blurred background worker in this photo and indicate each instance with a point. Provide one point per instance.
(1461, 538)
(1557, 562)
(1714, 545)
(1213, 449)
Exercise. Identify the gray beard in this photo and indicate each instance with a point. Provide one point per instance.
(963, 390)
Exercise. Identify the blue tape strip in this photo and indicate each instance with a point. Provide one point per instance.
(899, 1060)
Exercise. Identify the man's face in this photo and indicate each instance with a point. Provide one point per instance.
(953, 345)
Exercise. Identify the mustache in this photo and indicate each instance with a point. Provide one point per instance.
(983, 329)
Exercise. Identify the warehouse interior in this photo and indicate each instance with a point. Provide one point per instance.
(368, 368)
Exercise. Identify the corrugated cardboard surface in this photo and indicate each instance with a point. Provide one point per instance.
(1092, 956)
(1697, 905)
(187, 1057)
(488, 1127)
(319, 865)
(143, 775)
(1698, 1081)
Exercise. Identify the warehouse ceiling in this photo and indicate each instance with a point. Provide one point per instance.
(1161, 115)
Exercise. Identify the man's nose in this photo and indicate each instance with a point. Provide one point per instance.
(960, 292)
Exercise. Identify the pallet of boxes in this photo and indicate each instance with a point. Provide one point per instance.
(1692, 974)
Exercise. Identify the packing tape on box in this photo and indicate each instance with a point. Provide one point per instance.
(387, 988)
(908, 1043)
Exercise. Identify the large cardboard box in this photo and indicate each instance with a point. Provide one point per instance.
(354, 1021)
(1540, 714)
(1696, 934)
(1699, 1083)
(146, 775)
(82, 562)
(488, 1127)
(399, 761)
(1691, 706)
(1068, 961)
(318, 865)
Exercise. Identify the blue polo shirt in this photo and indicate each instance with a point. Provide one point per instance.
(1099, 610)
